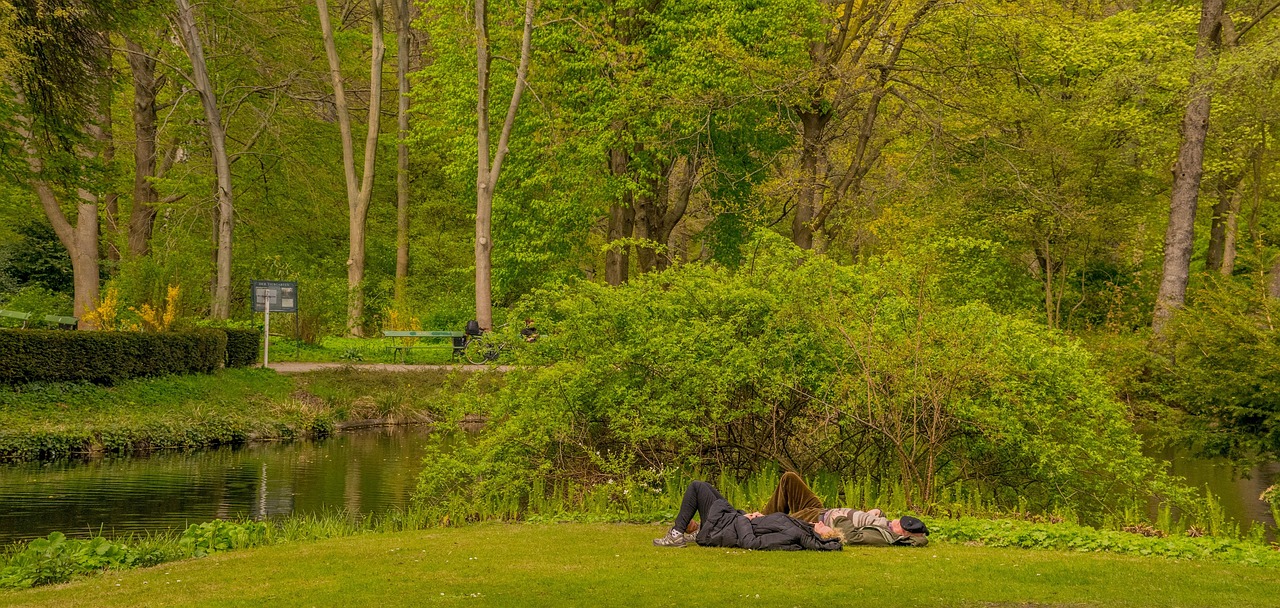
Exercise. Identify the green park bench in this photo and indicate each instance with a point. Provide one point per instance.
(25, 317)
(13, 314)
(404, 341)
(57, 320)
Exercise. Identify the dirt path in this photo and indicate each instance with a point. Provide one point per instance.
(298, 368)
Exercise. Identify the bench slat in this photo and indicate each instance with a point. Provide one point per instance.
(13, 314)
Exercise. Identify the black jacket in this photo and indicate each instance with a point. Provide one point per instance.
(726, 526)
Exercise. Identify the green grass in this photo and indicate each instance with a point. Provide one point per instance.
(334, 349)
(232, 406)
(614, 564)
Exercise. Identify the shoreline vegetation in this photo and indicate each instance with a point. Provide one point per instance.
(961, 522)
(229, 407)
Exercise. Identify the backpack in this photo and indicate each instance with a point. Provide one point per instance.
(473, 328)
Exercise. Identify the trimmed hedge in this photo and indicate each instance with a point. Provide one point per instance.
(32, 355)
(244, 347)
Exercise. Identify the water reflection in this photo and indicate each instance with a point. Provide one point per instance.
(1238, 494)
(363, 471)
(366, 471)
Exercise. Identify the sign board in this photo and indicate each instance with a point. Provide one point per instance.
(283, 295)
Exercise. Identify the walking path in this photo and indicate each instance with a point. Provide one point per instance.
(298, 368)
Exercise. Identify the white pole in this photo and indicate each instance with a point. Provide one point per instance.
(266, 333)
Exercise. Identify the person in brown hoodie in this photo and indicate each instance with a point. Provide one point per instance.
(794, 498)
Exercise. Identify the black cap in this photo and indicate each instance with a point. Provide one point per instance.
(913, 525)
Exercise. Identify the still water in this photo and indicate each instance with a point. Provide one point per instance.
(365, 471)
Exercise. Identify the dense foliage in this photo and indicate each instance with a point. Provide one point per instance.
(971, 177)
(796, 360)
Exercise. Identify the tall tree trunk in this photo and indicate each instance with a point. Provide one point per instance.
(617, 261)
(487, 173)
(1223, 224)
(1218, 228)
(813, 124)
(360, 193)
(402, 149)
(1180, 236)
(142, 215)
(80, 239)
(649, 208)
(679, 203)
(221, 308)
(659, 210)
(1232, 232)
(110, 198)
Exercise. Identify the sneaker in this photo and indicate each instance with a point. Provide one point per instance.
(674, 538)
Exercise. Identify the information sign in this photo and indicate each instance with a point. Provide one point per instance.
(282, 295)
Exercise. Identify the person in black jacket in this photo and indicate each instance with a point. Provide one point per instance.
(725, 526)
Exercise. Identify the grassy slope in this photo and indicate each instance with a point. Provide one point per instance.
(199, 410)
(602, 564)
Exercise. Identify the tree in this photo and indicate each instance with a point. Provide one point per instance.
(404, 36)
(186, 25)
(854, 64)
(146, 89)
(62, 96)
(359, 190)
(487, 172)
(1179, 237)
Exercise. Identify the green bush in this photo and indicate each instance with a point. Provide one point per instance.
(106, 357)
(793, 359)
(243, 347)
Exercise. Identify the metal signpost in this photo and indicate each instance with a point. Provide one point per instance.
(280, 296)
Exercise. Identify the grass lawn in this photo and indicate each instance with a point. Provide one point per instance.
(614, 565)
(336, 349)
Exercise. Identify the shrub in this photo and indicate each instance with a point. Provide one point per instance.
(217, 535)
(243, 346)
(56, 559)
(106, 357)
(1220, 364)
(793, 359)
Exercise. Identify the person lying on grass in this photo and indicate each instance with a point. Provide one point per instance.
(725, 526)
(794, 498)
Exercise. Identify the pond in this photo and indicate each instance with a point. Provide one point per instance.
(365, 471)
(362, 471)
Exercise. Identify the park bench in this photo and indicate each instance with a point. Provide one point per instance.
(57, 320)
(404, 341)
(25, 317)
(13, 314)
